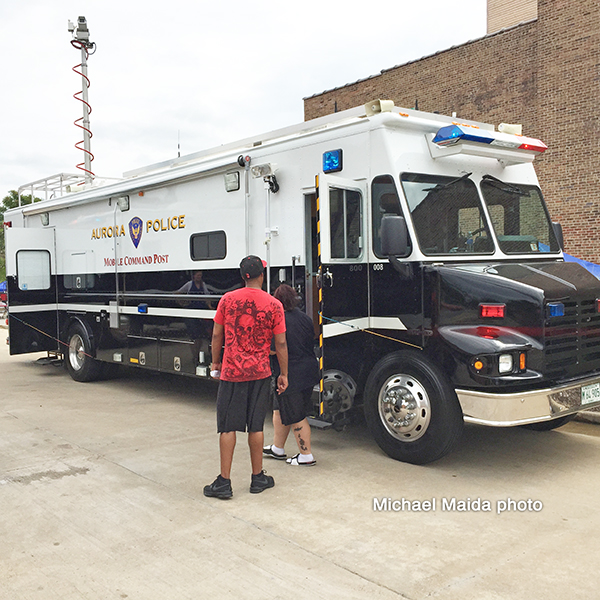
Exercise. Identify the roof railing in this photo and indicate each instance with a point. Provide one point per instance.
(58, 185)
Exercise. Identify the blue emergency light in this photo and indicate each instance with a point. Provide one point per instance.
(454, 133)
(332, 161)
(555, 309)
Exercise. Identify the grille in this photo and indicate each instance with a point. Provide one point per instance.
(572, 342)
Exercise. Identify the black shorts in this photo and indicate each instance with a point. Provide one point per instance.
(242, 404)
(293, 407)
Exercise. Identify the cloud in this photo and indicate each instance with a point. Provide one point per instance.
(203, 72)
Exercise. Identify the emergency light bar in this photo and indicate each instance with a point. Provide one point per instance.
(463, 139)
(453, 134)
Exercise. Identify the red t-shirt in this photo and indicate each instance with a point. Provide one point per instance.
(250, 318)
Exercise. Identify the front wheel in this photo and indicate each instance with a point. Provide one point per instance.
(80, 363)
(411, 409)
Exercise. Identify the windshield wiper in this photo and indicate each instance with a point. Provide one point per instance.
(440, 186)
(503, 186)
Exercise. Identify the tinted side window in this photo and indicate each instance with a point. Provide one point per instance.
(210, 245)
(345, 223)
(385, 201)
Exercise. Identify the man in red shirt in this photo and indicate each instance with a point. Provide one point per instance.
(246, 320)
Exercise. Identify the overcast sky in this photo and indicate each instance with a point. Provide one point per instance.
(204, 72)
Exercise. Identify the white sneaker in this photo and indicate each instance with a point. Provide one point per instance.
(296, 462)
(268, 451)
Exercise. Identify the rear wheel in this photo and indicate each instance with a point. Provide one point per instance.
(80, 363)
(411, 409)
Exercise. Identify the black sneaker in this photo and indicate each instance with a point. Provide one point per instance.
(268, 451)
(219, 488)
(261, 482)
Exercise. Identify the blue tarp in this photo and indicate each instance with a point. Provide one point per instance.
(3, 287)
(593, 268)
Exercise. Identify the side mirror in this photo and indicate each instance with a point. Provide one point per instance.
(558, 232)
(394, 236)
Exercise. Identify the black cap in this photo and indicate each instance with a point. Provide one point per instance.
(251, 267)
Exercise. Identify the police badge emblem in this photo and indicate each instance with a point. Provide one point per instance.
(135, 230)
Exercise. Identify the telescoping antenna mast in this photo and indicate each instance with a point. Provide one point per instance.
(81, 41)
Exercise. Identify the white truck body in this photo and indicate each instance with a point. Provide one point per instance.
(92, 274)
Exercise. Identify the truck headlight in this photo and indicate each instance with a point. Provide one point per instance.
(505, 363)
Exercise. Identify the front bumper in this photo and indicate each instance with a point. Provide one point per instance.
(506, 410)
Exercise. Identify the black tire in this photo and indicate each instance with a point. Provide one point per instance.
(550, 425)
(78, 356)
(411, 409)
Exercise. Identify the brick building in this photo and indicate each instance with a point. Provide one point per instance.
(543, 72)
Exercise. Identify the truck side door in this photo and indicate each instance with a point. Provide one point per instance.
(343, 255)
(31, 276)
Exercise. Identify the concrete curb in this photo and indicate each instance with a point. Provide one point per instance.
(588, 416)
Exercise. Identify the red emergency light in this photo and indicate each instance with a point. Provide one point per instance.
(493, 311)
(535, 145)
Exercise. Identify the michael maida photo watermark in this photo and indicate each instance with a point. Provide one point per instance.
(453, 504)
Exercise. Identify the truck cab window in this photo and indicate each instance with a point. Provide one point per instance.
(447, 214)
(385, 200)
(345, 223)
(519, 218)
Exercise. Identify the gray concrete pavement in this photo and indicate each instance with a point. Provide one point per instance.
(101, 497)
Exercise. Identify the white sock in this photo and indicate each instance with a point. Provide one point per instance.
(304, 458)
(280, 451)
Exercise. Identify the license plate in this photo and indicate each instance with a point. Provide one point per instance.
(590, 393)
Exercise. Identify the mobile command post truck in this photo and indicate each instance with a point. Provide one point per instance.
(421, 246)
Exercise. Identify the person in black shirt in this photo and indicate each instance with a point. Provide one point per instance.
(199, 330)
(291, 408)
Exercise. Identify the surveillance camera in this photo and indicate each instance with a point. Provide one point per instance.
(82, 33)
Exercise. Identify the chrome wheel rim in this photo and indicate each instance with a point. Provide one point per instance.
(76, 352)
(404, 408)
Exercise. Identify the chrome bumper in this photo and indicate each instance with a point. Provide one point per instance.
(505, 410)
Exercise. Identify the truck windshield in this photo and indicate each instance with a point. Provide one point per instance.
(519, 217)
(447, 214)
